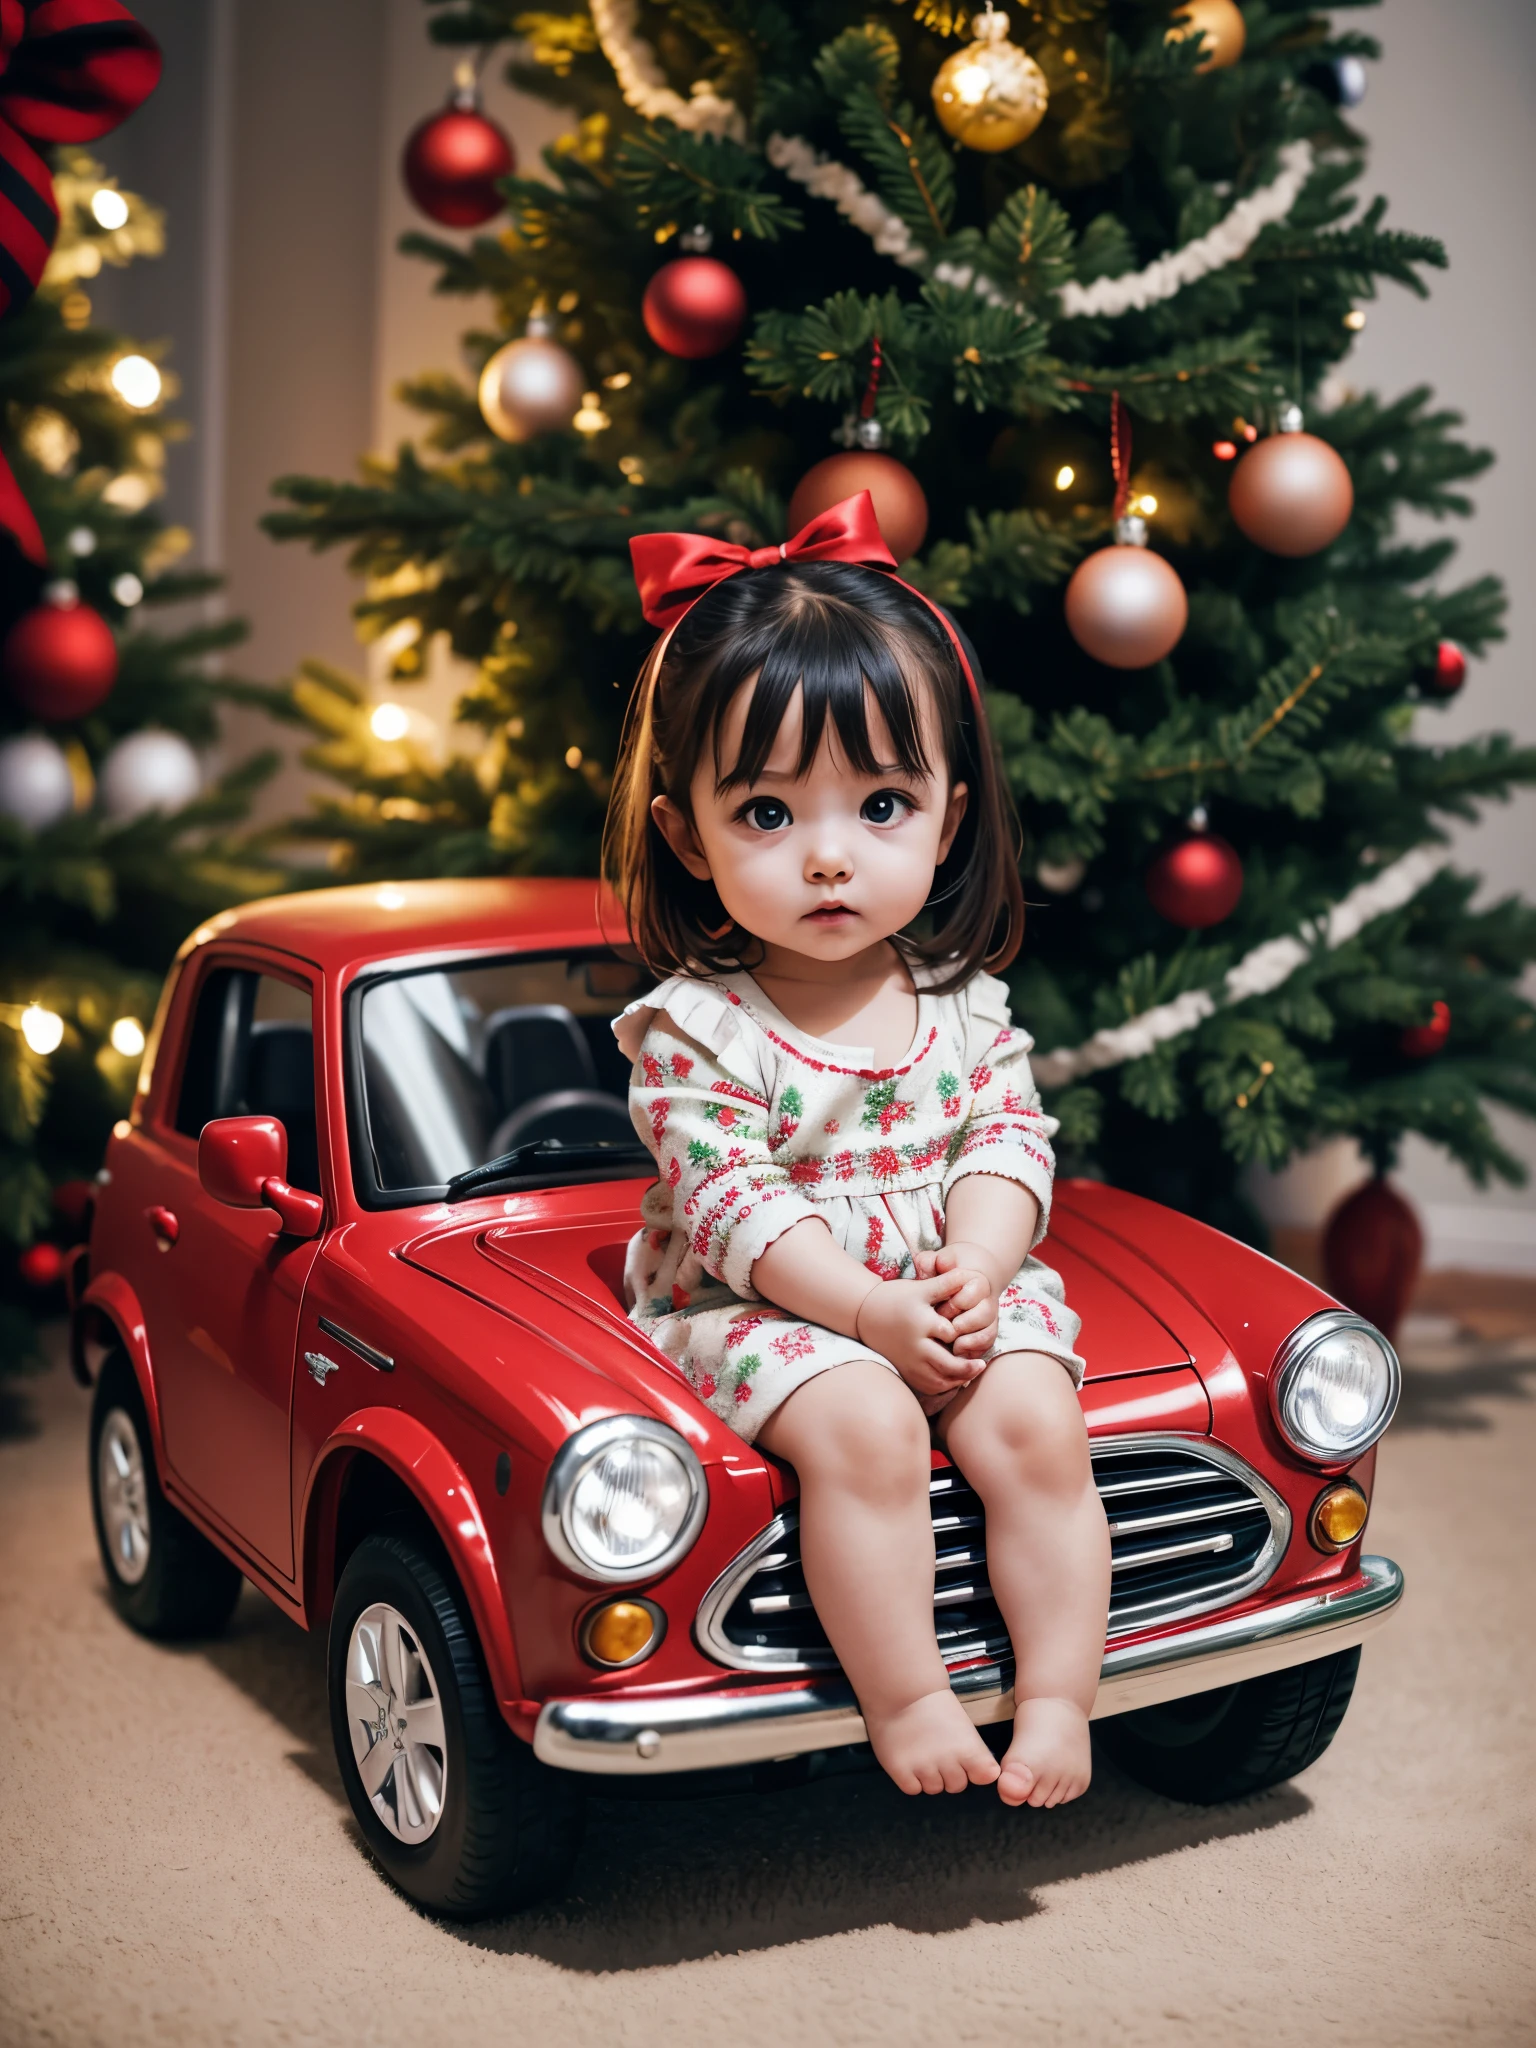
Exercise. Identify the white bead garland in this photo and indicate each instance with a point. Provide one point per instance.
(644, 86)
(1256, 974)
(643, 82)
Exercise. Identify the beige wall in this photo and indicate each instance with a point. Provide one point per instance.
(1453, 144)
(278, 154)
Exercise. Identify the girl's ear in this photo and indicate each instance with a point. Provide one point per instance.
(954, 811)
(681, 837)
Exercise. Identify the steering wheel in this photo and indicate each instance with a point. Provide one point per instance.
(576, 1116)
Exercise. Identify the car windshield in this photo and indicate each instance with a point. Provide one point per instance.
(497, 1060)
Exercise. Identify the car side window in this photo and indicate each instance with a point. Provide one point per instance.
(251, 1052)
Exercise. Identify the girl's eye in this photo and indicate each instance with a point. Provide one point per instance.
(884, 807)
(767, 814)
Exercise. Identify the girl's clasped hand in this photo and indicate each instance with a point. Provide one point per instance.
(812, 843)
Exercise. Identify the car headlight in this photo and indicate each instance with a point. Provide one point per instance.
(1334, 1386)
(625, 1499)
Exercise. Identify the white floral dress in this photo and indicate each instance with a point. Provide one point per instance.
(756, 1126)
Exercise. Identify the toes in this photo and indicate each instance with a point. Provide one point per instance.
(985, 1769)
(1015, 1782)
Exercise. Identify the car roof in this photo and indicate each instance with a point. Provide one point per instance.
(339, 929)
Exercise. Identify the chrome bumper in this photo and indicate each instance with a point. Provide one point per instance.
(704, 1731)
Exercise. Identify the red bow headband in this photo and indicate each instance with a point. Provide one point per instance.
(674, 570)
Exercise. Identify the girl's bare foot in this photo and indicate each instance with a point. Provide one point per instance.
(930, 1746)
(1049, 1760)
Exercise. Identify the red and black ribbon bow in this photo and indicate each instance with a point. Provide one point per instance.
(70, 71)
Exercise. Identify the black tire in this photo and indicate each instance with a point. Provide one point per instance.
(506, 1827)
(166, 1580)
(1236, 1741)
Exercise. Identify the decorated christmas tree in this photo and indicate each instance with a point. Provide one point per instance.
(112, 842)
(1067, 291)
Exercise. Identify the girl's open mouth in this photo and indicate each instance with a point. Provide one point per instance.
(829, 913)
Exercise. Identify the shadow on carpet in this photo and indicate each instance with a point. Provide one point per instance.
(673, 1880)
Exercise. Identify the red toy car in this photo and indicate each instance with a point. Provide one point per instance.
(351, 1306)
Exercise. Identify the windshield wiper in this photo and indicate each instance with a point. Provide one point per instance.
(544, 1152)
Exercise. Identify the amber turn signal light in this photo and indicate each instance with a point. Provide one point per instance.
(622, 1632)
(1338, 1516)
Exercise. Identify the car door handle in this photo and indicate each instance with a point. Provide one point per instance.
(163, 1223)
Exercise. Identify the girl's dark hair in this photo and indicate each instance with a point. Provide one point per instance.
(838, 634)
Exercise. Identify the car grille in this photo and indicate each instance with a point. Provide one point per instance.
(1191, 1528)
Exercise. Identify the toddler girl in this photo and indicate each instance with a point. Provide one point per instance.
(811, 839)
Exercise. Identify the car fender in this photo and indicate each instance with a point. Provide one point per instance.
(110, 1299)
(436, 1480)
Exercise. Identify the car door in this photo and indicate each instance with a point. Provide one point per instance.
(222, 1302)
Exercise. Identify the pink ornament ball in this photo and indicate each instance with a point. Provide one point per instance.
(1126, 606)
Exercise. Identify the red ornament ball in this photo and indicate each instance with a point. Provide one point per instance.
(41, 1265)
(1126, 606)
(694, 307)
(897, 496)
(1450, 669)
(60, 658)
(1372, 1250)
(452, 162)
(1291, 494)
(1419, 1041)
(1196, 883)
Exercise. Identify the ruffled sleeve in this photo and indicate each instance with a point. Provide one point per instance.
(1005, 1131)
(700, 1098)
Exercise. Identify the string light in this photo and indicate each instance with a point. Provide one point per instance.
(389, 722)
(127, 589)
(109, 207)
(1354, 319)
(1066, 477)
(1146, 504)
(136, 381)
(127, 1037)
(573, 757)
(591, 419)
(42, 1029)
(1224, 451)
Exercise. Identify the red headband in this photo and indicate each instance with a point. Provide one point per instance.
(674, 570)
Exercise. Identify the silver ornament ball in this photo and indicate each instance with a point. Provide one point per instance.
(531, 386)
(36, 787)
(148, 771)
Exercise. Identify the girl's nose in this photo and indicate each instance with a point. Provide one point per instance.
(827, 864)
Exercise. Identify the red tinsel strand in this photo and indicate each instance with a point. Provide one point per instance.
(1120, 452)
(872, 389)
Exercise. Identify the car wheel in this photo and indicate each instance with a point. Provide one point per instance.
(1238, 1740)
(164, 1577)
(460, 1813)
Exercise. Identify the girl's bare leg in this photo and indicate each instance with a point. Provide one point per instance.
(1017, 1434)
(859, 1444)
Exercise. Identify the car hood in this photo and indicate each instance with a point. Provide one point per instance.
(1133, 1320)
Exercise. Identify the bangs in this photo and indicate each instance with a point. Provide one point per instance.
(839, 660)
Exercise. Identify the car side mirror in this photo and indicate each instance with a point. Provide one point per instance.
(243, 1161)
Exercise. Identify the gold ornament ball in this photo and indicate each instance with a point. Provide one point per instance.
(531, 386)
(900, 506)
(1291, 494)
(1126, 606)
(1222, 25)
(991, 94)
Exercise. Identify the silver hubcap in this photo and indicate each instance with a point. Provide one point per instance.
(396, 1717)
(123, 1490)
